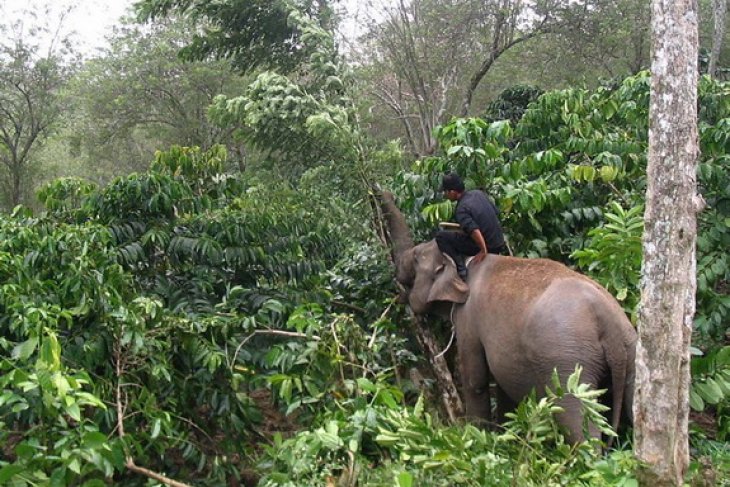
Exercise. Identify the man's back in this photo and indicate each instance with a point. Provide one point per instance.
(476, 210)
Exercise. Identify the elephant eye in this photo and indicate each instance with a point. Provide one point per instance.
(439, 268)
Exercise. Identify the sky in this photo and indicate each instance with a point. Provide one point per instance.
(93, 20)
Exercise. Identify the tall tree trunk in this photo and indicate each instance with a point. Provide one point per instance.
(17, 187)
(661, 406)
(719, 11)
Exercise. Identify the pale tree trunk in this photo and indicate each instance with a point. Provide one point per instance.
(666, 311)
(719, 11)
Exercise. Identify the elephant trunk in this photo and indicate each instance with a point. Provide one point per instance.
(400, 235)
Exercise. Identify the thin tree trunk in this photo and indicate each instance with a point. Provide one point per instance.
(450, 398)
(495, 52)
(16, 197)
(719, 11)
(661, 406)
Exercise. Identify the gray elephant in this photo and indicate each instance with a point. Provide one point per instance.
(518, 320)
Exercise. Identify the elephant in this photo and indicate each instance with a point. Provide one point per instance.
(516, 320)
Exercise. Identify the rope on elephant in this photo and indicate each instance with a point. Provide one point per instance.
(453, 333)
(447, 346)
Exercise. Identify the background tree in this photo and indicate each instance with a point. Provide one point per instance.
(668, 284)
(415, 58)
(249, 34)
(32, 75)
(425, 60)
(613, 41)
(138, 96)
(507, 23)
(719, 16)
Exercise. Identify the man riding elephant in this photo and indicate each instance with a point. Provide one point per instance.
(478, 218)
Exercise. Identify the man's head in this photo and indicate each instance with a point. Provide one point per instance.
(452, 186)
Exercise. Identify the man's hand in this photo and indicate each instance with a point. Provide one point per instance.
(478, 238)
(480, 256)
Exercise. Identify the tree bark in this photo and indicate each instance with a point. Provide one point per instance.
(719, 14)
(661, 406)
(450, 398)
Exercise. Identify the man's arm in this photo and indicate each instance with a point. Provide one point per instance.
(478, 238)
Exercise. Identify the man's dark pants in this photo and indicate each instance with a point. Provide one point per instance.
(458, 244)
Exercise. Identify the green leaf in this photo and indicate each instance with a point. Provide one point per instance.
(75, 466)
(717, 391)
(51, 352)
(8, 472)
(87, 399)
(24, 350)
(695, 401)
(61, 384)
(365, 384)
(156, 424)
(74, 412)
(353, 445)
(405, 479)
(94, 440)
(94, 483)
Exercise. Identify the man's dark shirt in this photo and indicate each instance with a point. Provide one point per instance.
(474, 210)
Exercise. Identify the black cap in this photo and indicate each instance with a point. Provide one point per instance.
(452, 181)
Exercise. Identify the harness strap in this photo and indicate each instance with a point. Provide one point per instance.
(453, 333)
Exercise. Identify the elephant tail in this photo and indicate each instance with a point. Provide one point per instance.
(621, 363)
(618, 386)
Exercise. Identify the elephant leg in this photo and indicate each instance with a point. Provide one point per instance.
(505, 404)
(572, 421)
(474, 377)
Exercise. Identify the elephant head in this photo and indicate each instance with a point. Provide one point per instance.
(427, 275)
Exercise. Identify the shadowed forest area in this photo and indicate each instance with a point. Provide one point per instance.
(196, 278)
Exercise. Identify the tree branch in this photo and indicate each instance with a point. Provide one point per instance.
(291, 334)
(120, 406)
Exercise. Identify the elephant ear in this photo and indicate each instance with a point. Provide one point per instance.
(447, 285)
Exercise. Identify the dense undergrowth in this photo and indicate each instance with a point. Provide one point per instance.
(218, 329)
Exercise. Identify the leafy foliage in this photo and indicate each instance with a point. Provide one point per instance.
(512, 103)
(57, 282)
(419, 451)
(248, 34)
(157, 295)
(711, 380)
(613, 254)
(312, 113)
